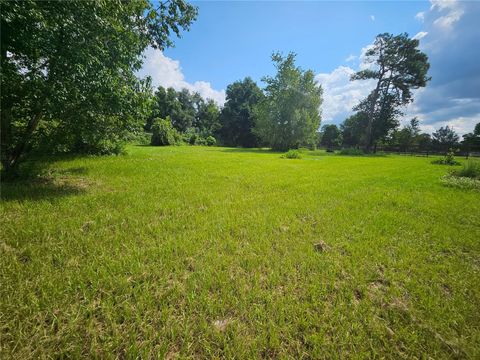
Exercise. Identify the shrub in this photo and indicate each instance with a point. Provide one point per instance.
(200, 141)
(142, 138)
(448, 159)
(163, 133)
(192, 138)
(292, 154)
(471, 169)
(351, 151)
(211, 141)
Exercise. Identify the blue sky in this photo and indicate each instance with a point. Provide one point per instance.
(232, 40)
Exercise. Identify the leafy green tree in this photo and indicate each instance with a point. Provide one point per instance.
(189, 111)
(424, 141)
(207, 118)
(353, 130)
(471, 141)
(331, 136)
(289, 115)
(398, 67)
(406, 138)
(237, 117)
(159, 107)
(445, 138)
(184, 116)
(68, 68)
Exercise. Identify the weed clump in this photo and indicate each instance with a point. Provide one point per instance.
(292, 154)
(465, 183)
(471, 169)
(468, 177)
(448, 159)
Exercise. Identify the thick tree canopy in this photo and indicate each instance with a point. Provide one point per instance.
(398, 67)
(353, 130)
(289, 115)
(188, 112)
(237, 117)
(68, 70)
(445, 138)
(331, 136)
(471, 141)
(407, 138)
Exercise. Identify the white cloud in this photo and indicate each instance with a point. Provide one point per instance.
(364, 63)
(350, 58)
(420, 16)
(340, 94)
(443, 4)
(372, 17)
(420, 35)
(453, 12)
(461, 125)
(168, 73)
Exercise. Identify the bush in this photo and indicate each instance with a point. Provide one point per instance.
(163, 133)
(211, 141)
(292, 154)
(448, 159)
(192, 138)
(471, 169)
(142, 138)
(351, 151)
(201, 141)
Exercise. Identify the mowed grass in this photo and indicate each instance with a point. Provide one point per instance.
(196, 252)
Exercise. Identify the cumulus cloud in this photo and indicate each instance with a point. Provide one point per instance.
(451, 10)
(340, 94)
(364, 62)
(420, 35)
(167, 72)
(420, 16)
(451, 98)
(350, 58)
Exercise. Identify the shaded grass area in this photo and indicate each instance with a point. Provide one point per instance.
(213, 252)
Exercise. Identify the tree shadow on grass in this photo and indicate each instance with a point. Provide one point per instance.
(38, 189)
(376, 155)
(251, 150)
(37, 182)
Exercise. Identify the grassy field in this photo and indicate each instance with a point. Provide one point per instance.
(197, 252)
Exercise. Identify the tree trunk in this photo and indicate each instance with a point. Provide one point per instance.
(11, 161)
(371, 111)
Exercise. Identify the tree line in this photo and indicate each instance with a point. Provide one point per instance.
(69, 84)
(409, 138)
(284, 115)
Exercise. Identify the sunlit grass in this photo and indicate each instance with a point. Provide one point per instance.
(215, 252)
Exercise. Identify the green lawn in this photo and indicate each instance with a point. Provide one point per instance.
(197, 252)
